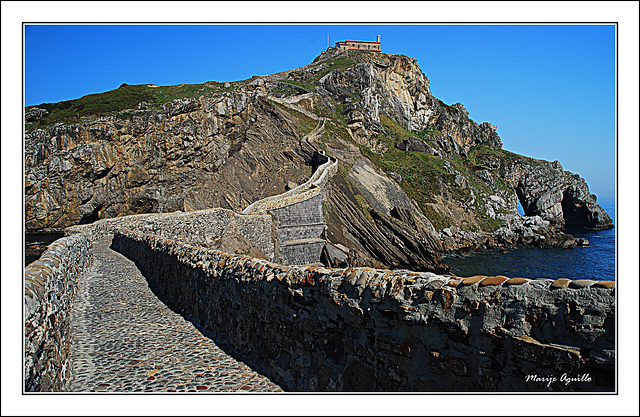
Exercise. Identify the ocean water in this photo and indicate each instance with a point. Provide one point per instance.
(36, 243)
(596, 261)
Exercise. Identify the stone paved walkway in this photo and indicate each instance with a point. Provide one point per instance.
(125, 339)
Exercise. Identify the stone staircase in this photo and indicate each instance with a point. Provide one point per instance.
(299, 210)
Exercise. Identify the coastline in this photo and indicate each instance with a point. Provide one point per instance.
(596, 261)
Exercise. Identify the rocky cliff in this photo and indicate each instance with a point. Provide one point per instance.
(416, 177)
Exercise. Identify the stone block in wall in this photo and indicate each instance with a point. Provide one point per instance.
(301, 231)
(308, 211)
(303, 252)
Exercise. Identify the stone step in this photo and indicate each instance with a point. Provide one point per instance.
(298, 242)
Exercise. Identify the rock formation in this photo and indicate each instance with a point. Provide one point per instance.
(416, 177)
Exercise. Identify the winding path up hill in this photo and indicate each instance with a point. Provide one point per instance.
(301, 222)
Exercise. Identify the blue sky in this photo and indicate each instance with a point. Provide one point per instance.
(550, 89)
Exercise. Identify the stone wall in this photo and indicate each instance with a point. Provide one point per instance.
(299, 213)
(318, 329)
(310, 188)
(214, 228)
(303, 251)
(300, 226)
(50, 286)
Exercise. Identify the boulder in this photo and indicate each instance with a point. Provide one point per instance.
(582, 242)
(334, 256)
(290, 185)
(413, 144)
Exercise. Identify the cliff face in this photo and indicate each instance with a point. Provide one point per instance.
(416, 177)
(218, 152)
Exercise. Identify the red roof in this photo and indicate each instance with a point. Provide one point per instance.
(363, 49)
(359, 41)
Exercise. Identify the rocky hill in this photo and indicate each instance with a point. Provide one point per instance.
(416, 177)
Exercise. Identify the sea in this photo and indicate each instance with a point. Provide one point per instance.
(36, 243)
(596, 261)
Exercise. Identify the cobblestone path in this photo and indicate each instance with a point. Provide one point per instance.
(125, 339)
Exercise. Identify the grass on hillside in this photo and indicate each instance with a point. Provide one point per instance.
(115, 101)
(73, 111)
(424, 176)
(479, 154)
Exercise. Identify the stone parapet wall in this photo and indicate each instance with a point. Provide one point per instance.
(202, 228)
(312, 187)
(361, 329)
(50, 286)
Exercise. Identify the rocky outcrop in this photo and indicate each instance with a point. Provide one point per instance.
(563, 198)
(192, 154)
(396, 87)
(375, 238)
(34, 113)
(414, 144)
(462, 133)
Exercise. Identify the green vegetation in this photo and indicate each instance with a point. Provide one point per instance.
(284, 91)
(296, 83)
(333, 130)
(479, 154)
(166, 94)
(343, 169)
(126, 97)
(117, 102)
(425, 176)
(428, 133)
(72, 111)
(394, 132)
(438, 220)
(334, 115)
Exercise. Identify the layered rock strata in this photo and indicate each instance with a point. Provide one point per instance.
(192, 154)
